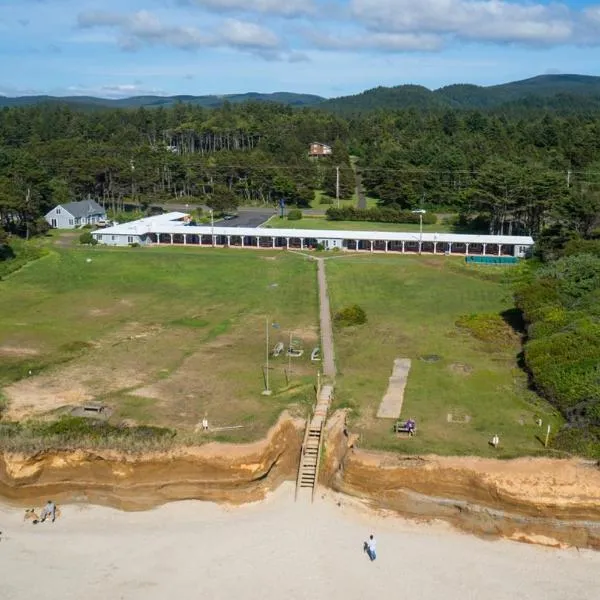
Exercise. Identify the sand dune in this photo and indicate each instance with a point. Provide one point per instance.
(273, 550)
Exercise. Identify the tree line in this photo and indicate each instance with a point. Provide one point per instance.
(522, 173)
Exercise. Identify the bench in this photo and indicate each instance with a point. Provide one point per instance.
(93, 408)
(400, 427)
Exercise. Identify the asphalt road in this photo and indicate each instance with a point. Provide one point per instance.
(247, 218)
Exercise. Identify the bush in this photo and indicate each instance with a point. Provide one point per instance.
(87, 238)
(134, 245)
(380, 215)
(488, 327)
(294, 215)
(351, 315)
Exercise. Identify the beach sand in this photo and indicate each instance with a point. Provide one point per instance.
(273, 550)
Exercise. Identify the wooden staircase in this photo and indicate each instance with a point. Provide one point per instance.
(308, 471)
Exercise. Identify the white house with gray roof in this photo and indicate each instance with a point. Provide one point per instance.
(75, 214)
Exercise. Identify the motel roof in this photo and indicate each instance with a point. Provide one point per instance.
(172, 223)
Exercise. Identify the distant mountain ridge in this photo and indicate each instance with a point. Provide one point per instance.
(543, 91)
(209, 101)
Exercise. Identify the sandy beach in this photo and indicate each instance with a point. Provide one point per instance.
(274, 549)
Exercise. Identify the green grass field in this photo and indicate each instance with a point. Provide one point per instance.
(322, 223)
(161, 335)
(167, 335)
(412, 306)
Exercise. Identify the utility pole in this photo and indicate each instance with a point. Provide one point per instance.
(212, 231)
(267, 390)
(337, 185)
(420, 212)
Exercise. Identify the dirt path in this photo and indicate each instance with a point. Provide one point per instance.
(325, 321)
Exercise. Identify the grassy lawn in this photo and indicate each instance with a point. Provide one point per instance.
(161, 335)
(322, 223)
(412, 306)
(321, 200)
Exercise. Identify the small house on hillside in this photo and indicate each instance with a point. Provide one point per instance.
(319, 149)
(75, 214)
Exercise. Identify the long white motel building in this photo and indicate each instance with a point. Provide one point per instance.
(174, 228)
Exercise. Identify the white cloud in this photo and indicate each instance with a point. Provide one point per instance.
(144, 28)
(391, 42)
(243, 34)
(284, 8)
(480, 20)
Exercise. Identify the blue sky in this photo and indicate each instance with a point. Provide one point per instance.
(116, 48)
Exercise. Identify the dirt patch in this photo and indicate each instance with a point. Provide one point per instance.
(18, 351)
(110, 310)
(460, 368)
(117, 362)
(224, 379)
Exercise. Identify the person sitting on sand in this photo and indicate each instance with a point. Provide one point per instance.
(48, 511)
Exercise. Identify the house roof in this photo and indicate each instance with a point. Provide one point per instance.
(84, 208)
(320, 144)
(171, 223)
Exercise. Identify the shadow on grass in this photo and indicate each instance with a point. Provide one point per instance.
(514, 318)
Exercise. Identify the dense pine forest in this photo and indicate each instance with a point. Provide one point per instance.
(521, 170)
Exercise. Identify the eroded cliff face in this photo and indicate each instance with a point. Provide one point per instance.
(546, 501)
(539, 500)
(218, 472)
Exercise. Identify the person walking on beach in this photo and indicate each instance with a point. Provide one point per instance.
(371, 548)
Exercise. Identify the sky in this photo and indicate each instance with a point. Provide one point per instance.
(120, 48)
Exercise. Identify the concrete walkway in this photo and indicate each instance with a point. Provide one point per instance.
(391, 405)
(325, 321)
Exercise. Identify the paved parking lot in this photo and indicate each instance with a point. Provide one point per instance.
(247, 218)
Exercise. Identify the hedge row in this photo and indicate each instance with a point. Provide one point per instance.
(380, 215)
(561, 307)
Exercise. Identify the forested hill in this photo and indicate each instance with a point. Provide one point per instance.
(545, 91)
(557, 92)
(287, 98)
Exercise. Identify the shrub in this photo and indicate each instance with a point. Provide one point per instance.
(87, 238)
(134, 245)
(383, 214)
(582, 441)
(351, 315)
(294, 215)
(488, 327)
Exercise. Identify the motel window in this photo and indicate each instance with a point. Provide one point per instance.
(130, 239)
(113, 237)
(70, 221)
(58, 211)
(99, 237)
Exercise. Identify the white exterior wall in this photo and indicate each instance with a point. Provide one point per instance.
(118, 239)
(90, 220)
(330, 244)
(59, 218)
